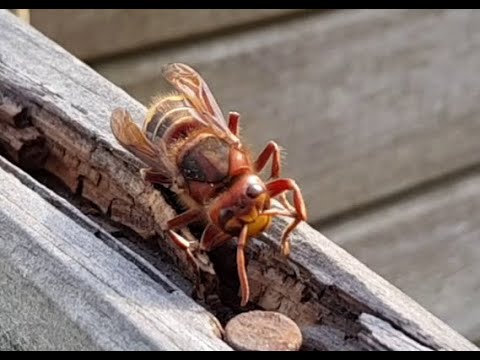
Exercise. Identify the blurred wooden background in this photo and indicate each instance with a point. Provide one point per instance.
(378, 112)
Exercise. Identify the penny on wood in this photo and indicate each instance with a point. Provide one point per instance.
(263, 331)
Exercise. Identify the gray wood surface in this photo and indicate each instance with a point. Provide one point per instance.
(428, 245)
(62, 288)
(382, 336)
(320, 284)
(112, 31)
(365, 102)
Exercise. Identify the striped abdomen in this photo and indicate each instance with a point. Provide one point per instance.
(202, 157)
(171, 118)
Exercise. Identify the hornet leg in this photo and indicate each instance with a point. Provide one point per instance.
(233, 122)
(242, 272)
(272, 150)
(279, 186)
(179, 221)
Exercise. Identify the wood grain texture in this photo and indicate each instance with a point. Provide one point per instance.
(65, 289)
(365, 103)
(382, 336)
(320, 285)
(428, 246)
(112, 31)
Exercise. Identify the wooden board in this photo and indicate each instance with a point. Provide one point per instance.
(428, 246)
(320, 285)
(112, 31)
(63, 288)
(382, 336)
(366, 103)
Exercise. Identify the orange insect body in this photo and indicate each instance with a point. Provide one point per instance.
(189, 147)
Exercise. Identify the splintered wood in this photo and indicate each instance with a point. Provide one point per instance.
(9, 112)
(82, 167)
(97, 187)
(25, 146)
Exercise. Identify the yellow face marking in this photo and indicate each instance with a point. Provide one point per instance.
(259, 225)
(250, 217)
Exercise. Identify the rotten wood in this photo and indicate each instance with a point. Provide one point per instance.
(12, 114)
(25, 146)
(320, 285)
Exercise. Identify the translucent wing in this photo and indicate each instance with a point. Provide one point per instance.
(131, 137)
(195, 89)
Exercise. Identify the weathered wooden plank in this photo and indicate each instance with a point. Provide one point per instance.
(320, 285)
(365, 103)
(112, 31)
(427, 245)
(382, 336)
(63, 288)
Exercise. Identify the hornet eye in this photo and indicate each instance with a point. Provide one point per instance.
(254, 190)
